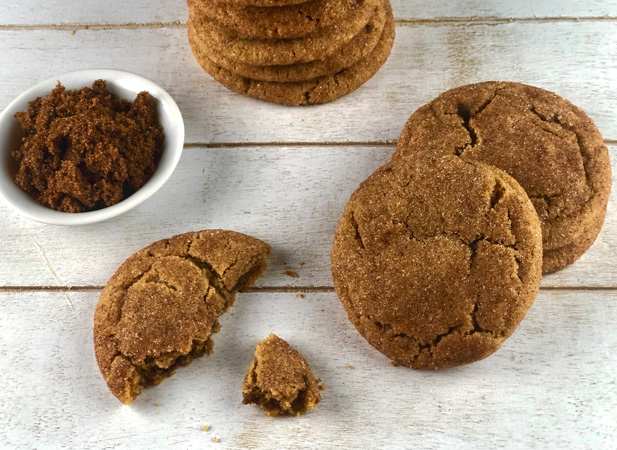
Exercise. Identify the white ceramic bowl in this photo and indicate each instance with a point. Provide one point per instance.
(123, 84)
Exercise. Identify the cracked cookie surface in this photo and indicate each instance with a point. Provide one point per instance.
(437, 261)
(551, 147)
(161, 307)
(280, 380)
(281, 22)
(317, 91)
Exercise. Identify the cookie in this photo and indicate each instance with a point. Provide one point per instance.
(279, 380)
(270, 52)
(547, 144)
(161, 308)
(358, 48)
(281, 22)
(321, 90)
(437, 261)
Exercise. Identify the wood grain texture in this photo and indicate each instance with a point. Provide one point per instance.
(155, 11)
(552, 385)
(291, 197)
(426, 61)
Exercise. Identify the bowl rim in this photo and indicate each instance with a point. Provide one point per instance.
(172, 148)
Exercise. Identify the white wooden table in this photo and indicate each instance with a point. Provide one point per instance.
(284, 175)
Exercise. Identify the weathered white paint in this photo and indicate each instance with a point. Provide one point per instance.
(144, 11)
(426, 61)
(552, 385)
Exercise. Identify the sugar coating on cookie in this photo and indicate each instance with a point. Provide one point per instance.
(161, 307)
(279, 380)
(437, 261)
(316, 91)
(551, 147)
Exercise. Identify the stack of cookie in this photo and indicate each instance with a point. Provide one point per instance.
(439, 254)
(292, 52)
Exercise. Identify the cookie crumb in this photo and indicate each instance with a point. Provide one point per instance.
(217, 440)
(296, 428)
(299, 295)
(301, 263)
(349, 366)
(322, 386)
(322, 310)
(72, 32)
(205, 428)
(158, 404)
(290, 273)
(246, 212)
(233, 314)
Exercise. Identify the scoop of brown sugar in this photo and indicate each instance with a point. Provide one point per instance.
(87, 149)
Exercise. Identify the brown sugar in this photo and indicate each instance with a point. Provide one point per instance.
(87, 149)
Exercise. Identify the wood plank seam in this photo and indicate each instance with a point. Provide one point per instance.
(471, 20)
(391, 144)
(272, 289)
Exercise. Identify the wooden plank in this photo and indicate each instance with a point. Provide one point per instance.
(150, 11)
(552, 385)
(426, 61)
(292, 197)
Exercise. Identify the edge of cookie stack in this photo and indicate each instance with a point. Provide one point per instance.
(291, 52)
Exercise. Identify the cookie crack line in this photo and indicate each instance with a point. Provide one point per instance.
(554, 119)
(432, 345)
(466, 115)
(357, 236)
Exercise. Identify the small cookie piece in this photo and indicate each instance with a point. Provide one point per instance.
(279, 380)
(283, 22)
(358, 48)
(437, 261)
(551, 147)
(271, 52)
(321, 90)
(161, 307)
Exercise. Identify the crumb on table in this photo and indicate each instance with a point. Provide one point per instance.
(205, 428)
(291, 273)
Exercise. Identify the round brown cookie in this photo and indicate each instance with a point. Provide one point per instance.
(359, 47)
(321, 90)
(547, 144)
(271, 52)
(437, 261)
(282, 22)
(161, 307)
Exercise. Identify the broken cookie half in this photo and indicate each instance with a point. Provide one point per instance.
(161, 308)
(279, 380)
